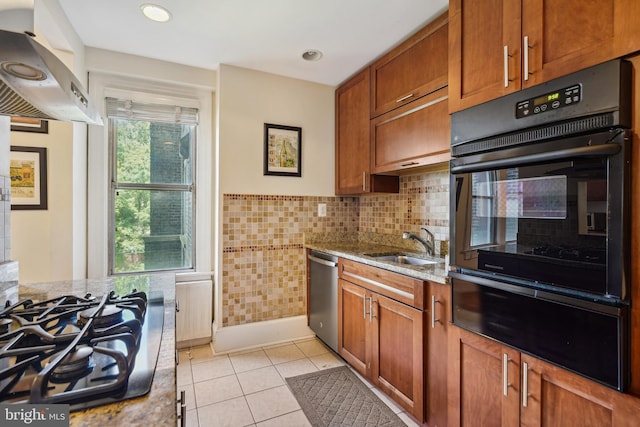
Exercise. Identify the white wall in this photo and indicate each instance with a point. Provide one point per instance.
(41, 240)
(4, 145)
(247, 100)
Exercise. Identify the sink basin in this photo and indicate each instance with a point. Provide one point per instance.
(402, 259)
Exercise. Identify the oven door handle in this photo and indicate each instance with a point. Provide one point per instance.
(588, 151)
(538, 294)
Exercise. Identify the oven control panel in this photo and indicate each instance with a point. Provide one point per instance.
(549, 101)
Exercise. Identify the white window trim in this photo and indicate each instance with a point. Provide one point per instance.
(103, 85)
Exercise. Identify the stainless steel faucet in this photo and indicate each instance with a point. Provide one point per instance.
(428, 243)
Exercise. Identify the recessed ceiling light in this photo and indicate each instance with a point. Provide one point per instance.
(155, 12)
(312, 55)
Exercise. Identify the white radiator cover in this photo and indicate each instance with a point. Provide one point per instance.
(194, 300)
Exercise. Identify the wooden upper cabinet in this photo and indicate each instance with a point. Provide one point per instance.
(479, 30)
(500, 46)
(414, 135)
(566, 36)
(413, 69)
(352, 134)
(353, 174)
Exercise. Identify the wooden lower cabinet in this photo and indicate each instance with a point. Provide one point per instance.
(397, 352)
(392, 329)
(491, 384)
(353, 326)
(382, 340)
(436, 358)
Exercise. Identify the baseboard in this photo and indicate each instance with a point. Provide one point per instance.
(259, 334)
(192, 343)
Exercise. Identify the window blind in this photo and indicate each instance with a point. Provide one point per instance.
(131, 110)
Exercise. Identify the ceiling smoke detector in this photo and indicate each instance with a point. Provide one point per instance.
(155, 13)
(312, 55)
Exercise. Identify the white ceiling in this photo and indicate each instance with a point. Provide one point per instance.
(265, 35)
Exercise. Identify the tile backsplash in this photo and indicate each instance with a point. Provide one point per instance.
(264, 270)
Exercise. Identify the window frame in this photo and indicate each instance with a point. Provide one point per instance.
(103, 85)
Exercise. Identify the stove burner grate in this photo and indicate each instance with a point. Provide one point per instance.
(75, 350)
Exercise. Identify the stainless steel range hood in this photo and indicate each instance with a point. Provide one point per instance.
(35, 83)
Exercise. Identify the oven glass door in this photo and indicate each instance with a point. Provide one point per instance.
(554, 224)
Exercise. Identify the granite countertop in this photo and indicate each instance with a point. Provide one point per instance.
(158, 407)
(358, 250)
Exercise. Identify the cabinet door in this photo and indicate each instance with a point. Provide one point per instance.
(484, 381)
(397, 353)
(352, 135)
(417, 134)
(568, 35)
(554, 397)
(484, 51)
(436, 358)
(415, 68)
(354, 307)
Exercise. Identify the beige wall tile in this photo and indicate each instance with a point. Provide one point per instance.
(264, 268)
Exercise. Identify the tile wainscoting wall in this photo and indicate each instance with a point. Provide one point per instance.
(263, 251)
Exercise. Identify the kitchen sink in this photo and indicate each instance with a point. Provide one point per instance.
(400, 258)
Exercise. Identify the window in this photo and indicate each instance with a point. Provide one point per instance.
(152, 186)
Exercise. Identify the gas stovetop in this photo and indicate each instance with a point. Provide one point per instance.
(82, 351)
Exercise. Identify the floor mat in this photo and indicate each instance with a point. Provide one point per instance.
(336, 397)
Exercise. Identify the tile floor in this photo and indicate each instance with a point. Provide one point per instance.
(248, 388)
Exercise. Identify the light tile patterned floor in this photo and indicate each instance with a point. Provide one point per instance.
(248, 388)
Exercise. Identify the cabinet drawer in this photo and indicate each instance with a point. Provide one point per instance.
(417, 134)
(393, 285)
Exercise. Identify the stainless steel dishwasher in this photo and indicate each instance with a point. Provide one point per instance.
(323, 297)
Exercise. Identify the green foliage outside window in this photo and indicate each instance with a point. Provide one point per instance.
(132, 207)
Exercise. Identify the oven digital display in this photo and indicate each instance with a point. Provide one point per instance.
(549, 101)
(546, 98)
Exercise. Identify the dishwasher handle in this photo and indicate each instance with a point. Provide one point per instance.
(323, 261)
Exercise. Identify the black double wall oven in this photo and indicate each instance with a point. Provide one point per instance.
(540, 221)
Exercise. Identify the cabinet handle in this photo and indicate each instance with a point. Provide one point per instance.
(404, 98)
(526, 58)
(525, 384)
(182, 416)
(505, 373)
(409, 164)
(364, 181)
(433, 312)
(177, 306)
(370, 309)
(364, 306)
(506, 65)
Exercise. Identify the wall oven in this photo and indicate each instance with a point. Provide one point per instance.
(540, 221)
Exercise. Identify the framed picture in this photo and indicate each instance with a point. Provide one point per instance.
(26, 124)
(282, 150)
(28, 170)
